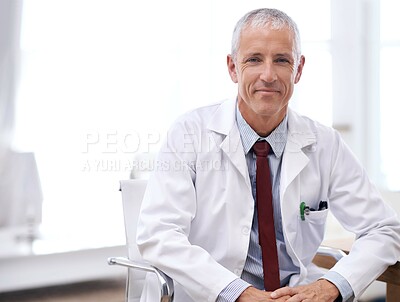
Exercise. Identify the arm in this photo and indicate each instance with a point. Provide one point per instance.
(165, 222)
(358, 206)
(356, 203)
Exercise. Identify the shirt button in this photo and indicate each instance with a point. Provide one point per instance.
(245, 230)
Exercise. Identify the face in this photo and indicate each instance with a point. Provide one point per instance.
(265, 70)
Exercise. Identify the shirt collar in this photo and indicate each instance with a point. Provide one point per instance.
(276, 139)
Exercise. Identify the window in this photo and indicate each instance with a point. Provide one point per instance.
(389, 101)
(102, 80)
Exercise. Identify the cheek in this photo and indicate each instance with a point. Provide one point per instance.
(289, 80)
(249, 76)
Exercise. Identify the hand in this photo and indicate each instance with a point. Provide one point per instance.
(252, 294)
(319, 291)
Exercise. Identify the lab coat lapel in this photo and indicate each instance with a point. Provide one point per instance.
(294, 160)
(232, 146)
(227, 135)
(300, 136)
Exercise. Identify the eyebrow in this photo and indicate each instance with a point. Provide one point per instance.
(253, 54)
(285, 54)
(281, 54)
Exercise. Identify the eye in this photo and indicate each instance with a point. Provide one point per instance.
(253, 60)
(282, 60)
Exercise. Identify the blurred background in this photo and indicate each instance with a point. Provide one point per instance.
(89, 87)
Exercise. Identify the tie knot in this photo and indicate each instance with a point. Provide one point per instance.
(261, 148)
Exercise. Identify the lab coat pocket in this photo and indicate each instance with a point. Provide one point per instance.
(310, 233)
(316, 217)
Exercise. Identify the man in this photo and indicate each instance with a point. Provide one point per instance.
(200, 220)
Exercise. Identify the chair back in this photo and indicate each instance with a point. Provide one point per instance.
(132, 191)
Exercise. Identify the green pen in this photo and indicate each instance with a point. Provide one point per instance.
(302, 210)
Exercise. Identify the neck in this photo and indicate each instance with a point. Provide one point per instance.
(263, 125)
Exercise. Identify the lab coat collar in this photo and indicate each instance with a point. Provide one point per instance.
(300, 134)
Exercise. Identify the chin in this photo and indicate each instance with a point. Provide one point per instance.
(270, 111)
(266, 109)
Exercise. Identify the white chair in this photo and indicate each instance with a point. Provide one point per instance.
(132, 192)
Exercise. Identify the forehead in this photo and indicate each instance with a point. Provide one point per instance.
(266, 39)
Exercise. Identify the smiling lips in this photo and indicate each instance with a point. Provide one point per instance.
(267, 91)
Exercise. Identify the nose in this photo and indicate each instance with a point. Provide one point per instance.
(268, 73)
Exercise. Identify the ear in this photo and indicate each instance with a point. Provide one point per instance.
(231, 68)
(299, 69)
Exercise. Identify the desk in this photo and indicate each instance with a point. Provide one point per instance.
(391, 276)
(49, 261)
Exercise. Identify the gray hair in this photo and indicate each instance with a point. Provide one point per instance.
(276, 19)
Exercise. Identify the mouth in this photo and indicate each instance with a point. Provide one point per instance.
(267, 91)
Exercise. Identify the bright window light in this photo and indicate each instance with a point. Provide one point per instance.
(389, 105)
(102, 80)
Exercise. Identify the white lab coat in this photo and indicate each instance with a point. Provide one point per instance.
(197, 212)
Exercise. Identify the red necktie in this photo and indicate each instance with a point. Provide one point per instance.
(266, 227)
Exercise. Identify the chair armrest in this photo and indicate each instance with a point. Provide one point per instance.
(327, 257)
(335, 253)
(165, 282)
